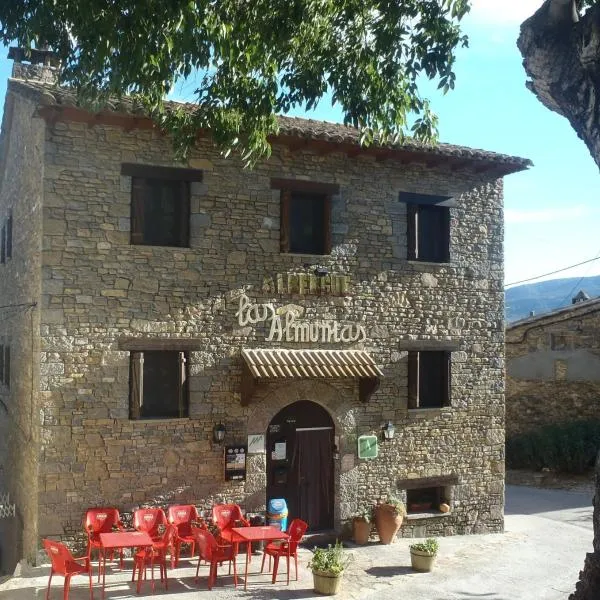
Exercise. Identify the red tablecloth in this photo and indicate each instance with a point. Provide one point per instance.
(261, 533)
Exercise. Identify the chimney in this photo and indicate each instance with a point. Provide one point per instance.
(34, 64)
(532, 313)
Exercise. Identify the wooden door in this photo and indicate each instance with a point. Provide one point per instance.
(304, 476)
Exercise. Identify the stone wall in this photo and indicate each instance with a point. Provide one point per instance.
(553, 369)
(20, 280)
(98, 291)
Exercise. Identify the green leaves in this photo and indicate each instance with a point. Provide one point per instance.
(252, 60)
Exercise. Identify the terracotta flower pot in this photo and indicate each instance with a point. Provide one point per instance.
(361, 530)
(387, 522)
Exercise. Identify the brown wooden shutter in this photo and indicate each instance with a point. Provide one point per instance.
(138, 193)
(327, 224)
(184, 227)
(412, 217)
(447, 399)
(7, 366)
(181, 380)
(2, 364)
(284, 220)
(9, 226)
(137, 384)
(413, 380)
(445, 234)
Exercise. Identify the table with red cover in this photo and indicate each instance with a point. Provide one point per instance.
(121, 539)
(262, 533)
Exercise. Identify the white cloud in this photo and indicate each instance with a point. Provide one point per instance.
(548, 215)
(502, 12)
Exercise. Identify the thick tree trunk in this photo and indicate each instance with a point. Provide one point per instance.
(588, 586)
(561, 55)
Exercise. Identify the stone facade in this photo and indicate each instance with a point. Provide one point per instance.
(553, 368)
(98, 296)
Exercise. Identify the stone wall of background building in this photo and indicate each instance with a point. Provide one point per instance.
(553, 369)
(98, 291)
(21, 192)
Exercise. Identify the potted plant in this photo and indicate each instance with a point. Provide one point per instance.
(327, 565)
(388, 518)
(361, 526)
(422, 554)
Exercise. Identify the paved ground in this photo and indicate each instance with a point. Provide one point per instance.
(539, 557)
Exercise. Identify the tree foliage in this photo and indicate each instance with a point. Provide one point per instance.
(251, 59)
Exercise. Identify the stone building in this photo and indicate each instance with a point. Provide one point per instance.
(553, 367)
(298, 308)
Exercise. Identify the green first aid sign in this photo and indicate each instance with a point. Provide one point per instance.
(367, 446)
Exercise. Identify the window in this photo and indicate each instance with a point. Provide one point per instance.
(160, 204)
(5, 365)
(305, 215)
(3, 245)
(158, 385)
(428, 379)
(9, 236)
(558, 341)
(428, 226)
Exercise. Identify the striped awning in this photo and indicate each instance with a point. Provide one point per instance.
(283, 363)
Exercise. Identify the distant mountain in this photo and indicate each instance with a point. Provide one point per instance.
(547, 295)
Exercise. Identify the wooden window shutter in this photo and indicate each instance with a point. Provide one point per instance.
(7, 366)
(445, 234)
(413, 380)
(184, 198)
(284, 220)
(137, 384)
(181, 359)
(138, 193)
(3, 244)
(447, 399)
(9, 226)
(412, 217)
(327, 224)
(1, 364)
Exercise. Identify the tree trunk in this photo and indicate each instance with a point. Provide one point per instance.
(588, 586)
(561, 53)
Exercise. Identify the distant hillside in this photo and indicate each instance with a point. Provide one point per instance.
(547, 295)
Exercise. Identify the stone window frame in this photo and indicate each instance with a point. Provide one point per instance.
(446, 485)
(178, 181)
(323, 192)
(436, 210)
(136, 381)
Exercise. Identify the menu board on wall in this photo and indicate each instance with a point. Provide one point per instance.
(235, 463)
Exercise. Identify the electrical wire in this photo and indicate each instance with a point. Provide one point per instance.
(550, 273)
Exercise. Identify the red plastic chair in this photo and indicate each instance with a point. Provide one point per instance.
(227, 516)
(182, 517)
(149, 520)
(97, 521)
(276, 550)
(157, 555)
(214, 554)
(63, 563)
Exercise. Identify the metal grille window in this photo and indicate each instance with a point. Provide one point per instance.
(158, 385)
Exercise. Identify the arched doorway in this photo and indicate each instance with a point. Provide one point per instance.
(300, 440)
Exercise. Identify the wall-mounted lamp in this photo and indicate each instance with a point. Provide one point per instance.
(321, 271)
(388, 431)
(219, 433)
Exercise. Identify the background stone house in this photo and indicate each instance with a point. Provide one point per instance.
(307, 302)
(553, 367)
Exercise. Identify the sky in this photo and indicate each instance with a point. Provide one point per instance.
(552, 210)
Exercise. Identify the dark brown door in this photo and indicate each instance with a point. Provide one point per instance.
(304, 476)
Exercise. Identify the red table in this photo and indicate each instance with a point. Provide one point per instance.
(264, 533)
(121, 539)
